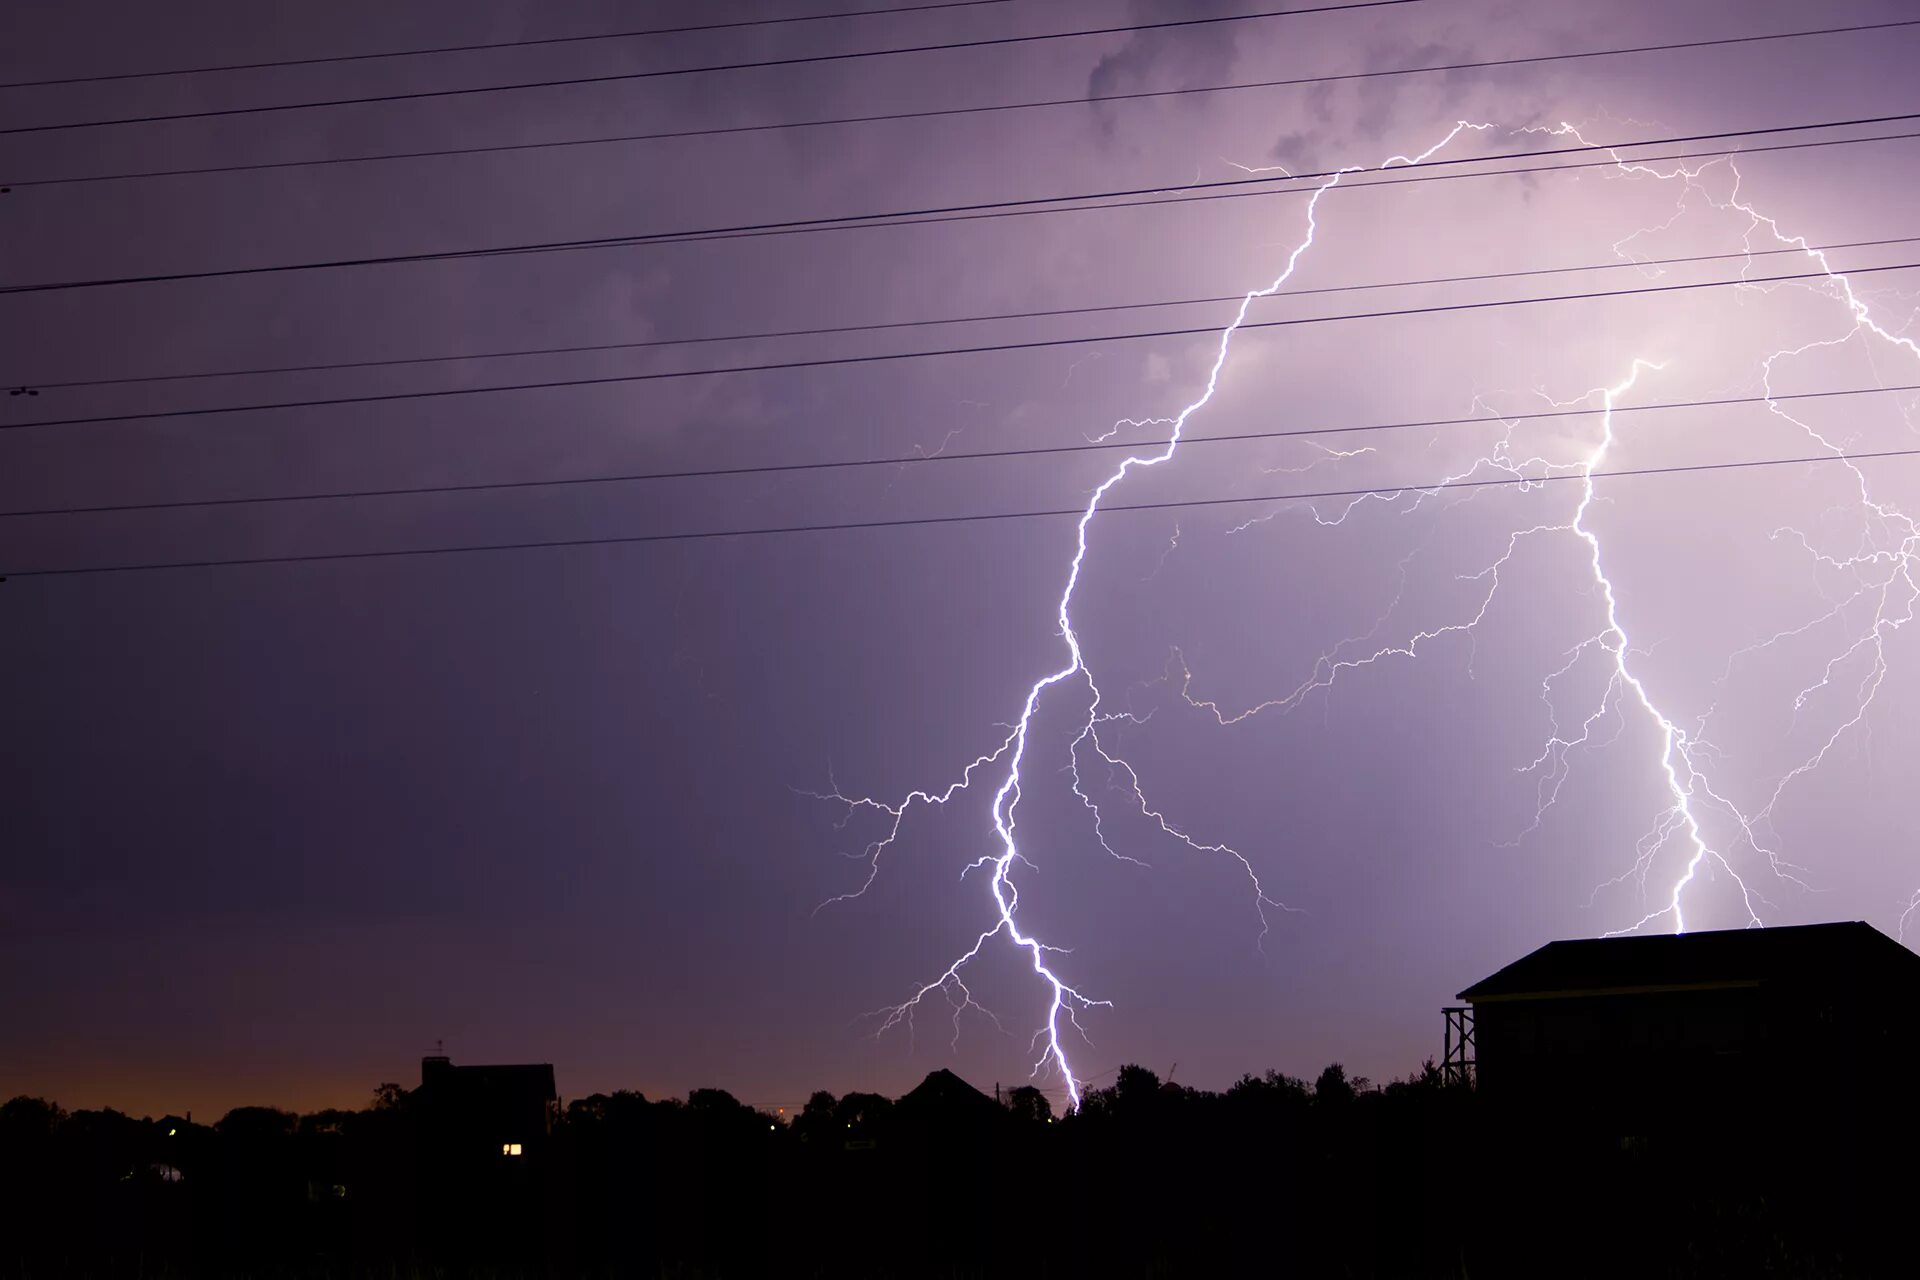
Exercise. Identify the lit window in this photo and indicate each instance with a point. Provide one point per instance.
(509, 1148)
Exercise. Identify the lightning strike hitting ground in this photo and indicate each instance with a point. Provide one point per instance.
(1883, 566)
(1065, 1000)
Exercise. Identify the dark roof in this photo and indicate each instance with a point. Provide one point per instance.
(946, 1093)
(530, 1078)
(1852, 952)
(515, 1079)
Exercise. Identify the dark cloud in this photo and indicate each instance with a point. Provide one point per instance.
(1178, 59)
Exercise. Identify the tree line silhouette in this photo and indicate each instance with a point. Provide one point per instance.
(1334, 1177)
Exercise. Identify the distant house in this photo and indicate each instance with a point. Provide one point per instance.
(482, 1136)
(1649, 1031)
(486, 1113)
(943, 1092)
(943, 1102)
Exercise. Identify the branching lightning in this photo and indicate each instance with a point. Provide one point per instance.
(1685, 758)
(1882, 565)
(1066, 1001)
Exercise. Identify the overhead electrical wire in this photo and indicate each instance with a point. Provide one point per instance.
(702, 535)
(1130, 197)
(1002, 208)
(917, 459)
(528, 43)
(1387, 180)
(1142, 95)
(878, 326)
(709, 68)
(1034, 344)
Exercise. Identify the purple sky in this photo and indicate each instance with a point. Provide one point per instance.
(271, 832)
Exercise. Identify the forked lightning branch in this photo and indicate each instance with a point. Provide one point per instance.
(1676, 851)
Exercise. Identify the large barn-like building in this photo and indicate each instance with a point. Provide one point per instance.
(1648, 1030)
(1701, 1104)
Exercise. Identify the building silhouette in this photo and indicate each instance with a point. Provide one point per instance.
(1647, 1032)
(487, 1113)
(944, 1100)
(1733, 1098)
(483, 1135)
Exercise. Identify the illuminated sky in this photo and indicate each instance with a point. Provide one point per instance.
(271, 832)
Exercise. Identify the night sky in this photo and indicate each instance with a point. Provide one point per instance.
(270, 832)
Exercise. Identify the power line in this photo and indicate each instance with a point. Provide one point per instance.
(966, 518)
(502, 44)
(827, 225)
(1036, 104)
(1033, 344)
(808, 59)
(1220, 189)
(978, 318)
(913, 459)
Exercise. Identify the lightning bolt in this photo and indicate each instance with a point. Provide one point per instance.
(1894, 593)
(1685, 780)
(1882, 565)
(1065, 1001)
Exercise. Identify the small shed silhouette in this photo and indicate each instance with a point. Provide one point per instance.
(1653, 1030)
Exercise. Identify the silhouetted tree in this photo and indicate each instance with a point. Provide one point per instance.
(1411, 1179)
(862, 1117)
(1133, 1095)
(1135, 1087)
(816, 1126)
(1331, 1087)
(25, 1119)
(1028, 1105)
(256, 1124)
